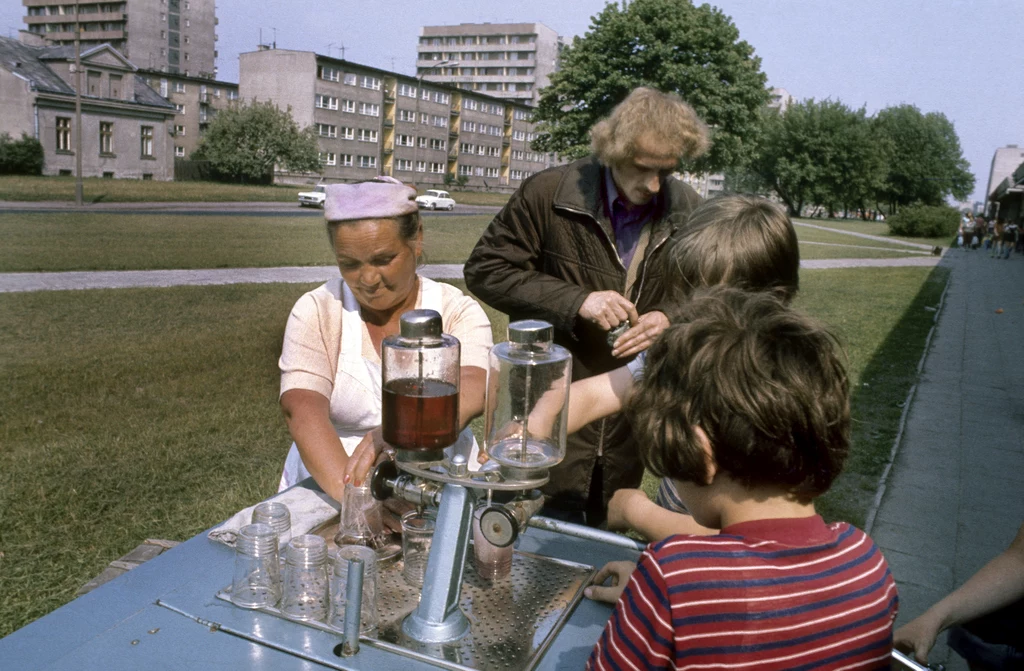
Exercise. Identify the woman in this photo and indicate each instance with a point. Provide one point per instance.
(330, 361)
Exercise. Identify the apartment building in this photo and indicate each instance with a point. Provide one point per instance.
(375, 122)
(196, 101)
(174, 36)
(512, 61)
(125, 125)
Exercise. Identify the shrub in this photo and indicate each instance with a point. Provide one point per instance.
(925, 221)
(20, 157)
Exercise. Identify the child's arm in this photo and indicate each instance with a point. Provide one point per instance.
(631, 509)
(996, 584)
(597, 397)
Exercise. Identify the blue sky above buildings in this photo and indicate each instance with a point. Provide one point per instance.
(959, 57)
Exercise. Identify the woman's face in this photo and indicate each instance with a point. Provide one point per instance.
(376, 264)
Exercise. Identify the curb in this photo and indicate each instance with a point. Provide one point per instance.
(869, 522)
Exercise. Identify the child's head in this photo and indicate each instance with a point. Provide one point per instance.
(741, 241)
(764, 383)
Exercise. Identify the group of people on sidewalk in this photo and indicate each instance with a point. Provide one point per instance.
(996, 236)
(715, 384)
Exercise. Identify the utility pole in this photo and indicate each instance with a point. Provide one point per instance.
(78, 109)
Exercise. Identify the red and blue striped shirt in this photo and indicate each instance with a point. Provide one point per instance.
(771, 594)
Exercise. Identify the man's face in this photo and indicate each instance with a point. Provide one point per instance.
(639, 179)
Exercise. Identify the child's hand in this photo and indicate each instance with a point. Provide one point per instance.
(619, 572)
(626, 505)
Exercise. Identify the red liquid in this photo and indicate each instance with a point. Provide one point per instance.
(420, 415)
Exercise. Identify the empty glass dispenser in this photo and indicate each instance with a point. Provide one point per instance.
(527, 400)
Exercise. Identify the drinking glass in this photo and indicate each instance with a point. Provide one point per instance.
(491, 562)
(278, 517)
(417, 535)
(305, 585)
(257, 577)
(368, 618)
(361, 520)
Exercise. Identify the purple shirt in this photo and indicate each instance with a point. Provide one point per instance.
(627, 219)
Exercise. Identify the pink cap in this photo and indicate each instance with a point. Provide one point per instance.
(380, 199)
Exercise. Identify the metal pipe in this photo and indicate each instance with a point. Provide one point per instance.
(353, 606)
(586, 533)
(912, 664)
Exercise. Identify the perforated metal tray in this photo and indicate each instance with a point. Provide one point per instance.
(512, 620)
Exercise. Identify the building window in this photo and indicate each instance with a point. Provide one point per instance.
(517, 174)
(233, 95)
(330, 158)
(493, 151)
(422, 142)
(439, 121)
(179, 108)
(346, 160)
(424, 118)
(478, 171)
(179, 151)
(327, 102)
(469, 104)
(367, 135)
(348, 106)
(179, 130)
(326, 130)
(437, 168)
(436, 143)
(404, 141)
(403, 164)
(328, 73)
(466, 148)
(370, 83)
(146, 137)
(63, 134)
(350, 79)
(442, 98)
(468, 126)
(425, 94)
(369, 109)
(367, 161)
(106, 138)
(179, 87)
(407, 115)
(492, 172)
(347, 133)
(465, 170)
(407, 90)
(421, 166)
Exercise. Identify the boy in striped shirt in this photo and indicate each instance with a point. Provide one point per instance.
(744, 405)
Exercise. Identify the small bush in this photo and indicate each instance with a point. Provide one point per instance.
(925, 221)
(20, 157)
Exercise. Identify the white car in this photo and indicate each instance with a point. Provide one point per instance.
(314, 198)
(434, 199)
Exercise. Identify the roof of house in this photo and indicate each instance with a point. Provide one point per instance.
(31, 64)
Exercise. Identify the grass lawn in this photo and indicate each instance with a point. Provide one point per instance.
(71, 241)
(96, 190)
(63, 241)
(152, 413)
(879, 228)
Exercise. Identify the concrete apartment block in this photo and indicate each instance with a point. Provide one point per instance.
(373, 122)
(196, 102)
(174, 36)
(512, 61)
(1004, 161)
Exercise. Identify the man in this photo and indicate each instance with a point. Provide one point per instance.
(578, 246)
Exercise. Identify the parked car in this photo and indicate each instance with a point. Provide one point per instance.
(435, 199)
(314, 198)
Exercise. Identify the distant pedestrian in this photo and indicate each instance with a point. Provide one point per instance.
(1011, 233)
(997, 239)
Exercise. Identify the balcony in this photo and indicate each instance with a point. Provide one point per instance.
(453, 133)
(389, 123)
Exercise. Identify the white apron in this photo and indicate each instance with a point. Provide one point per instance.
(355, 407)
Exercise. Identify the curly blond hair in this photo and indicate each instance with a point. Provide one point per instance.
(645, 110)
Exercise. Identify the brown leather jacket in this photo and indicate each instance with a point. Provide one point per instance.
(547, 249)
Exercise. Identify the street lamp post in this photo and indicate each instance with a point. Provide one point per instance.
(419, 95)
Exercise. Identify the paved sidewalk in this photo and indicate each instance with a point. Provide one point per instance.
(123, 279)
(954, 497)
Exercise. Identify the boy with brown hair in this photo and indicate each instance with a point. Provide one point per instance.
(744, 405)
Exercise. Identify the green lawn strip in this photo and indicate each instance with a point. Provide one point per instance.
(808, 234)
(811, 251)
(96, 190)
(53, 242)
(879, 228)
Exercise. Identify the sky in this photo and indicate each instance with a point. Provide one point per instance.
(962, 58)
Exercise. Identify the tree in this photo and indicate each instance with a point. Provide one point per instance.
(819, 152)
(20, 157)
(245, 142)
(669, 45)
(925, 162)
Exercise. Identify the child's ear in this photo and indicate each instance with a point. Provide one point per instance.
(709, 455)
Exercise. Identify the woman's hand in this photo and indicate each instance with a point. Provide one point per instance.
(618, 572)
(364, 456)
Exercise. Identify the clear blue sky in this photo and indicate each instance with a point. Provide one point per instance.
(959, 57)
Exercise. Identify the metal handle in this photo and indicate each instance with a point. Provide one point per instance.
(912, 664)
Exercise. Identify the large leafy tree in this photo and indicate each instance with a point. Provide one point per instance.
(925, 161)
(819, 152)
(669, 45)
(246, 141)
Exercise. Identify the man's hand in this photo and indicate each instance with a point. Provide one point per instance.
(608, 309)
(643, 334)
(918, 636)
(619, 572)
(364, 457)
(627, 505)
